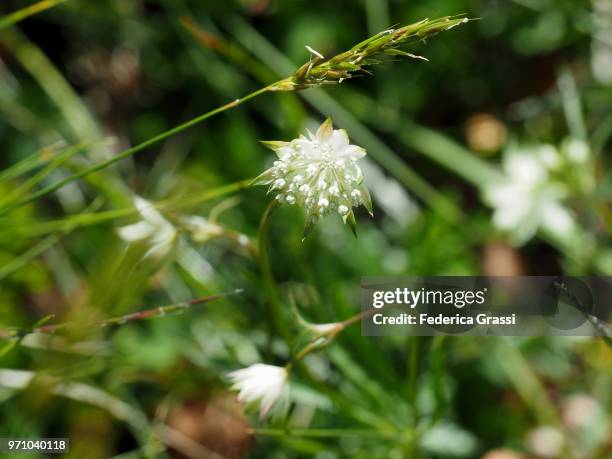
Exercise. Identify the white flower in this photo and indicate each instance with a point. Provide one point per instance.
(528, 198)
(319, 173)
(153, 228)
(260, 382)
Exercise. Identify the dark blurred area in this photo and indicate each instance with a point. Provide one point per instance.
(521, 74)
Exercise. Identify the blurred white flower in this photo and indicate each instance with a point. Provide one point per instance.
(260, 382)
(601, 48)
(548, 155)
(546, 441)
(202, 229)
(528, 198)
(153, 228)
(577, 151)
(320, 174)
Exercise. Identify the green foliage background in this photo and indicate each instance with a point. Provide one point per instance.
(86, 71)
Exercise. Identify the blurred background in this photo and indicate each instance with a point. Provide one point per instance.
(492, 158)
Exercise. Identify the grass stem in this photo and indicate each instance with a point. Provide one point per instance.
(131, 151)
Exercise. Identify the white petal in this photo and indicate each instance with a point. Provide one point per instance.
(260, 382)
(136, 232)
(352, 151)
(557, 219)
(505, 194)
(162, 240)
(339, 140)
(251, 391)
(268, 400)
(523, 168)
(510, 217)
(148, 211)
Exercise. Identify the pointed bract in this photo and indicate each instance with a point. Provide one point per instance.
(274, 145)
(265, 178)
(325, 131)
(352, 223)
(367, 199)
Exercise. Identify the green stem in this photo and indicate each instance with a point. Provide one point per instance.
(330, 335)
(413, 368)
(35, 227)
(29, 163)
(33, 252)
(28, 11)
(438, 369)
(16, 194)
(133, 150)
(159, 311)
(322, 433)
(276, 312)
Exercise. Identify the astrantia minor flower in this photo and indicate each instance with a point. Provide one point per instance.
(319, 172)
(260, 382)
(153, 228)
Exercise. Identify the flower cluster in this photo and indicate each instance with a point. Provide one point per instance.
(320, 174)
(532, 193)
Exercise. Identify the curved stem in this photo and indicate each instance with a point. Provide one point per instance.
(133, 150)
(330, 335)
(412, 373)
(276, 313)
(322, 433)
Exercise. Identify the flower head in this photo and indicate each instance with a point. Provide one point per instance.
(153, 228)
(260, 382)
(319, 172)
(529, 198)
